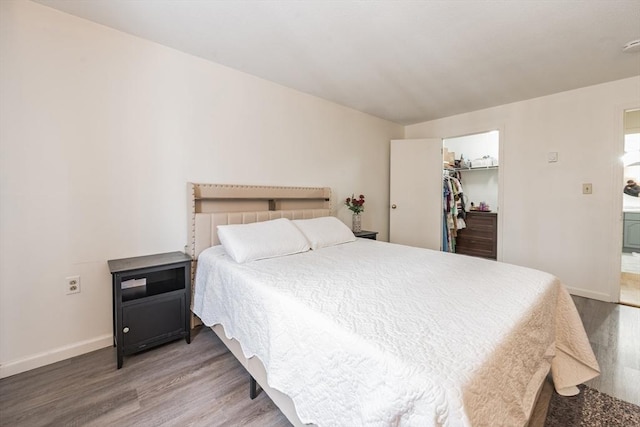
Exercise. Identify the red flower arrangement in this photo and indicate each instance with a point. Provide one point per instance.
(355, 205)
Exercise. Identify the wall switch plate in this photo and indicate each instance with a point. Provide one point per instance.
(552, 156)
(587, 188)
(72, 285)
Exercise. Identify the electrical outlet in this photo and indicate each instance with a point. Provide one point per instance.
(72, 285)
(587, 188)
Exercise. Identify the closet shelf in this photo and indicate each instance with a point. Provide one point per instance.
(471, 169)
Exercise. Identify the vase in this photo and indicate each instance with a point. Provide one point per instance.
(356, 223)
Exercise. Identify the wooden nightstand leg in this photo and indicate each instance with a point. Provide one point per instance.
(120, 359)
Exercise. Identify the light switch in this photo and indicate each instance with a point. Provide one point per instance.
(552, 156)
(587, 188)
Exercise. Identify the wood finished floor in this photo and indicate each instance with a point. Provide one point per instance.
(614, 334)
(630, 279)
(630, 289)
(178, 384)
(202, 384)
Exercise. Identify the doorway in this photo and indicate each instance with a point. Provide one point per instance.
(471, 194)
(630, 265)
(416, 214)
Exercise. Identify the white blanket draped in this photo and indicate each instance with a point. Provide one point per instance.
(375, 334)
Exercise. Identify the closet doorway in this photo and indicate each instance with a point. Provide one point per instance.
(417, 210)
(630, 266)
(471, 194)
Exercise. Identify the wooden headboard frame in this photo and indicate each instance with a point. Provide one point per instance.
(211, 205)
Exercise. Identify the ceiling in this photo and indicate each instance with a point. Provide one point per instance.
(404, 61)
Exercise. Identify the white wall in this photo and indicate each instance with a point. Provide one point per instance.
(546, 221)
(99, 134)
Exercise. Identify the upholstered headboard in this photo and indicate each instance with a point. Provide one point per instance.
(211, 205)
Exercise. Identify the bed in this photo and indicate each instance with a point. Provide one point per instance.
(362, 332)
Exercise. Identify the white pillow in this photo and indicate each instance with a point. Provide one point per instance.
(324, 231)
(258, 240)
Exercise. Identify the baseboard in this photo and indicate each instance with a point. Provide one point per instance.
(600, 296)
(56, 355)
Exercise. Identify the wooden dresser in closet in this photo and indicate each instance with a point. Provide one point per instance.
(480, 238)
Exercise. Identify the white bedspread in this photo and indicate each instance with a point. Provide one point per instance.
(374, 334)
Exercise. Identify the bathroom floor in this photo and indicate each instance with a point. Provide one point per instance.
(630, 279)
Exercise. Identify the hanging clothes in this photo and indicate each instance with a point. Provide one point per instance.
(454, 210)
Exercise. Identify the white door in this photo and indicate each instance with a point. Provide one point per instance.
(415, 214)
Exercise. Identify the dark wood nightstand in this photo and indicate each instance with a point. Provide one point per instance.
(366, 234)
(151, 298)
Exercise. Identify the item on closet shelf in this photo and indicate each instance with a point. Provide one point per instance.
(484, 162)
(482, 207)
(448, 157)
(462, 164)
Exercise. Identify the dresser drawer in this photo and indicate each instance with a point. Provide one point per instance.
(479, 238)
